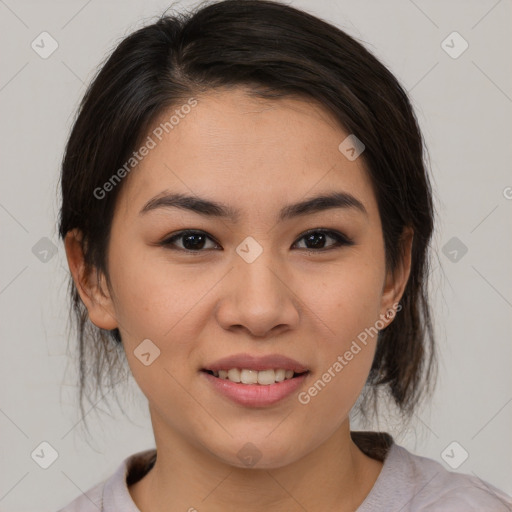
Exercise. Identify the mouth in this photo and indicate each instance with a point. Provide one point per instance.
(254, 380)
(255, 388)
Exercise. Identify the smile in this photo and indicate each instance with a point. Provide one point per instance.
(263, 377)
(252, 394)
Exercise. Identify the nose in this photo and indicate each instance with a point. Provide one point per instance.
(258, 298)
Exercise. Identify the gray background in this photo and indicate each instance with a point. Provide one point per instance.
(463, 105)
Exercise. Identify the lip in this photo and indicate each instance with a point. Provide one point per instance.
(255, 395)
(259, 363)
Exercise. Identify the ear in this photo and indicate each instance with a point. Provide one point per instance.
(396, 280)
(98, 303)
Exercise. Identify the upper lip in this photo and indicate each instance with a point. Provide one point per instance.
(259, 363)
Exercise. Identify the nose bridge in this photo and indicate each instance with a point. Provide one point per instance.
(257, 272)
(258, 296)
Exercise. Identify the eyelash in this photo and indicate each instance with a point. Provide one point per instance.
(341, 240)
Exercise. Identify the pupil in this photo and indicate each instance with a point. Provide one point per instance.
(319, 237)
(190, 238)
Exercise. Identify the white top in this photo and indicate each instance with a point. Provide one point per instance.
(406, 483)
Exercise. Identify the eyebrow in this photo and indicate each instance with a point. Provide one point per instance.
(211, 208)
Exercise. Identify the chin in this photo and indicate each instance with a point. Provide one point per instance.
(257, 452)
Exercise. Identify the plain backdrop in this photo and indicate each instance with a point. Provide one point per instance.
(463, 104)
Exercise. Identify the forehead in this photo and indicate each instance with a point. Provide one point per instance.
(245, 151)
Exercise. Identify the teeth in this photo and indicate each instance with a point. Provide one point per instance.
(264, 377)
(267, 377)
(280, 375)
(234, 374)
(249, 377)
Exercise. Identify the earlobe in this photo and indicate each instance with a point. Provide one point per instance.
(396, 280)
(96, 298)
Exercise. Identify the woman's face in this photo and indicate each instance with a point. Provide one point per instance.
(252, 284)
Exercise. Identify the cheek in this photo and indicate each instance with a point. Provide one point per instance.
(346, 299)
(155, 298)
(346, 304)
(349, 306)
(156, 303)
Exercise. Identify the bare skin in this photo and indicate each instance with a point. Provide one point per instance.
(255, 156)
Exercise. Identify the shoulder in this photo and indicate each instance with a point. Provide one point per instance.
(91, 501)
(412, 483)
(112, 493)
(434, 488)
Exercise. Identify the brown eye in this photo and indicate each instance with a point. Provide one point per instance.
(192, 241)
(316, 239)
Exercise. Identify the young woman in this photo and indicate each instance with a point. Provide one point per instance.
(247, 217)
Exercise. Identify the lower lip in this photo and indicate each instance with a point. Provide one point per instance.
(255, 395)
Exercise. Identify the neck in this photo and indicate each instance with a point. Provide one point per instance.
(336, 475)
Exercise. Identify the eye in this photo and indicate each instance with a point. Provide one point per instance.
(316, 238)
(194, 241)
